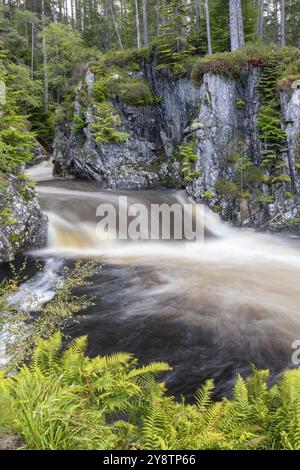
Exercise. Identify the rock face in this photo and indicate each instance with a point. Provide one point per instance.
(153, 134)
(220, 115)
(227, 137)
(22, 224)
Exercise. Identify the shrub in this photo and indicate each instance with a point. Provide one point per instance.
(234, 64)
(131, 59)
(230, 64)
(288, 83)
(131, 90)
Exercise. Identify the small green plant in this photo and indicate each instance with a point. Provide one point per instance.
(101, 89)
(31, 184)
(79, 123)
(264, 198)
(104, 129)
(132, 91)
(208, 195)
(27, 194)
(6, 217)
(294, 221)
(240, 104)
(188, 157)
(14, 238)
(269, 120)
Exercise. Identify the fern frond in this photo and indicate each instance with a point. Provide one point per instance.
(46, 354)
(204, 395)
(153, 368)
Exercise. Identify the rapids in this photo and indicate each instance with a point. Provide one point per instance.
(210, 308)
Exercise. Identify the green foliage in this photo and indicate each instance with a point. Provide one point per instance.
(15, 140)
(188, 157)
(172, 46)
(27, 93)
(79, 123)
(104, 129)
(230, 64)
(227, 188)
(121, 83)
(264, 198)
(132, 91)
(131, 59)
(236, 64)
(52, 316)
(63, 400)
(240, 104)
(6, 217)
(65, 49)
(101, 89)
(269, 119)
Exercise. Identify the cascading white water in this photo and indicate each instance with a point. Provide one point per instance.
(238, 290)
(232, 270)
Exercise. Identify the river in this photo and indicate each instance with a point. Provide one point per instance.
(210, 308)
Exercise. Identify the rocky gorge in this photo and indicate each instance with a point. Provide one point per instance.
(213, 135)
(203, 136)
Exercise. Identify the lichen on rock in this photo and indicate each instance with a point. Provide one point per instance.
(22, 224)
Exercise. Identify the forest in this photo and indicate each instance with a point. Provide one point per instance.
(132, 345)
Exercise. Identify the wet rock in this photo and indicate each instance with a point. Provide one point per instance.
(22, 224)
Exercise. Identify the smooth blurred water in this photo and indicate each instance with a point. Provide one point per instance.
(210, 309)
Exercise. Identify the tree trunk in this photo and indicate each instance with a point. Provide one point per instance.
(240, 23)
(32, 49)
(261, 20)
(115, 24)
(46, 86)
(157, 17)
(282, 23)
(236, 25)
(72, 14)
(137, 21)
(198, 15)
(208, 32)
(145, 22)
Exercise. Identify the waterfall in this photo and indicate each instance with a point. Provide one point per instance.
(217, 304)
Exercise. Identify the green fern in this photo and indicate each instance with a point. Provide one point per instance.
(64, 400)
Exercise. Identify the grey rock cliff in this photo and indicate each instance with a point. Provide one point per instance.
(228, 117)
(25, 226)
(221, 115)
(153, 134)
